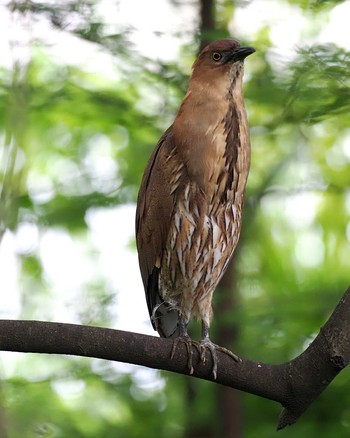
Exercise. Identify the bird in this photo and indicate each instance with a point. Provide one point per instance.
(191, 198)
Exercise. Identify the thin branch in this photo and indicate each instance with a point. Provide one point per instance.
(295, 384)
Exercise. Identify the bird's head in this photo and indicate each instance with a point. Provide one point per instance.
(220, 58)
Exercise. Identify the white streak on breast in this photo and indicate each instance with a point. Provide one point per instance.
(190, 218)
(209, 130)
(177, 221)
(217, 257)
(187, 190)
(174, 187)
(216, 233)
(234, 212)
(173, 239)
(227, 221)
(168, 259)
(233, 230)
(208, 274)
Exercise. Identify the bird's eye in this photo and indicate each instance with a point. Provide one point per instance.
(216, 56)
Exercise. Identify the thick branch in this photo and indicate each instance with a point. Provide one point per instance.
(295, 384)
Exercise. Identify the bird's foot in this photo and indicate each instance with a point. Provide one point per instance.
(189, 343)
(207, 344)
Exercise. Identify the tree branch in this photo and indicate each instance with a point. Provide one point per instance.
(294, 384)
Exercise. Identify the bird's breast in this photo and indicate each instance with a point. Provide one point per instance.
(212, 142)
(201, 240)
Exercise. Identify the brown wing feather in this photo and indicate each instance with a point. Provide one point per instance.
(155, 206)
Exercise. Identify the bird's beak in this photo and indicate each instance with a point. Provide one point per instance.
(241, 53)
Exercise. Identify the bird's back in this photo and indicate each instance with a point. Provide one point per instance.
(154, 211)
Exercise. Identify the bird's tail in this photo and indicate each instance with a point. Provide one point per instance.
(165, 320)
(164, 317)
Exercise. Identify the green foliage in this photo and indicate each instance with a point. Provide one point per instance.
(319, 88)
(82, 401)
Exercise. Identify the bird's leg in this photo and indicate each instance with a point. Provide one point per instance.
(184, 337)
(206, 343)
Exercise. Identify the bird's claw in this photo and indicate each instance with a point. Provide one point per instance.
(189, 343)
(202, 347)
(213, 349)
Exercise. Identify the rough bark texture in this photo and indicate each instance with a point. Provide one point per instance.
(295, 384)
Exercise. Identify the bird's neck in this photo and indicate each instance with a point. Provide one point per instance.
(206, 104)
(211, 126)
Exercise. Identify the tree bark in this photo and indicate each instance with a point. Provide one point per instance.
(207, 22)
(294, 384)
(229, 404)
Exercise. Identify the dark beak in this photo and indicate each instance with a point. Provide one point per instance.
(241, 53)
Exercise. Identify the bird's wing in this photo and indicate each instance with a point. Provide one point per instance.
(155, 207)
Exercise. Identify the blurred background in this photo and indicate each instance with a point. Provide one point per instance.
(87, 87)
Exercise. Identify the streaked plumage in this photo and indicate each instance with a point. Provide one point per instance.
(190, 203)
